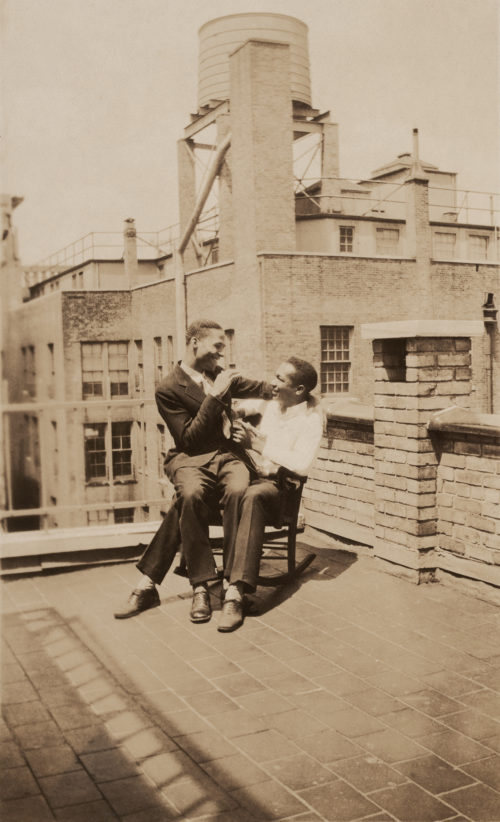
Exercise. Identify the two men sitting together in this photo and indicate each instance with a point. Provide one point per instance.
(234, 465)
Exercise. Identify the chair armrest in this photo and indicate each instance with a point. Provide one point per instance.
(290, 485)
(289, 479)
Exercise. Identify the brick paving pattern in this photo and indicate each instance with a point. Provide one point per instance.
(352, 695)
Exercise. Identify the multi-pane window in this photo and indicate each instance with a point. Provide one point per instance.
(444, 244)
(92, 370)
(97, 517)
(104, 369)
(335, 359)
(118, 368)
(158, 360)
(161, 448)
(95, 451)
(123, 515)
(121, 449)
(139, 367)
(346, 238)
(103, 448)
(387, 240)
(478, 246)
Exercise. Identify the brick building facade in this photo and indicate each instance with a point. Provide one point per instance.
(295, 267)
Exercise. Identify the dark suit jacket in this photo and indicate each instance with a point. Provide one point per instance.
(195, 419)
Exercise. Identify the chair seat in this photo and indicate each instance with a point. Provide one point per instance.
(284, 525)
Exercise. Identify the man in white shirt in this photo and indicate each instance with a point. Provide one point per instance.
(289, 436)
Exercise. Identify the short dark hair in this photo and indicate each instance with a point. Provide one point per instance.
(305, 373)
(200, 328)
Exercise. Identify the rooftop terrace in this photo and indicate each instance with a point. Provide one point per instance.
(353, 695)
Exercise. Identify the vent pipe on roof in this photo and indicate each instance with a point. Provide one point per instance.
(416, 170)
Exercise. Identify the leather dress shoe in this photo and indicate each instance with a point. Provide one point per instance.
(231, 616)
(139, 600)
(201, 610)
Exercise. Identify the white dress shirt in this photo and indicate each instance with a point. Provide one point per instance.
(292, 437)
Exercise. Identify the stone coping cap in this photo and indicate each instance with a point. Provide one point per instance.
(351, 410)
(422, 328)
(464, 421)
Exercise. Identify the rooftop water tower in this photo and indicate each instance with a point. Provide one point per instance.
(254, 117)
(220, 37)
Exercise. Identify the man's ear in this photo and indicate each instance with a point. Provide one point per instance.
(300, 389)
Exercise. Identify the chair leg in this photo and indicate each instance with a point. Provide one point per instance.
(294, 568)
(291, 546)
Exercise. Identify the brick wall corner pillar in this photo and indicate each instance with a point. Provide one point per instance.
(421, 367)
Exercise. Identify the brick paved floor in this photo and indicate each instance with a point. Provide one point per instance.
(353, 695)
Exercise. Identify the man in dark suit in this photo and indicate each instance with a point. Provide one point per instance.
(205, 466)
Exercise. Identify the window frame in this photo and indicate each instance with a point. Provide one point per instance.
(91, 478)
(127, 514)
(342, 365)
(158, 360)
(342, 229)
(118, 371)
(94, 517)
(112, 464)
(393, 251)
(104, 360)
(138, 367)
(476, 235)
(445, 255)
(115, 462)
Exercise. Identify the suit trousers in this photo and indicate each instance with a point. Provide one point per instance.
(258, 507)
(221, 482)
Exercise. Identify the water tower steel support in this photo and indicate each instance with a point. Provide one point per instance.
(180, 280)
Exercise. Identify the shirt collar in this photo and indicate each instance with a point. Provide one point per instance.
(196, 376)
(296, 410)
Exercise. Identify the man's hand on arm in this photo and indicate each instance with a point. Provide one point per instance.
(223, 383)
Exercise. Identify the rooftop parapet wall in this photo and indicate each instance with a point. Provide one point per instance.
(417, 476)
(343, 489)
(339, 494)
(468, 493)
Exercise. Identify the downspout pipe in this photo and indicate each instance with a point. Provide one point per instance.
(490, 321)
(180, 281)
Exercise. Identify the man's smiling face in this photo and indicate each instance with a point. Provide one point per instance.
(284, 386)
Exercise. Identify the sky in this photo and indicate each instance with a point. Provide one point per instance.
(96, 94)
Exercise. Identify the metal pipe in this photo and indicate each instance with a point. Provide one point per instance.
(416, 154)
(491, 352)
(490, 320)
